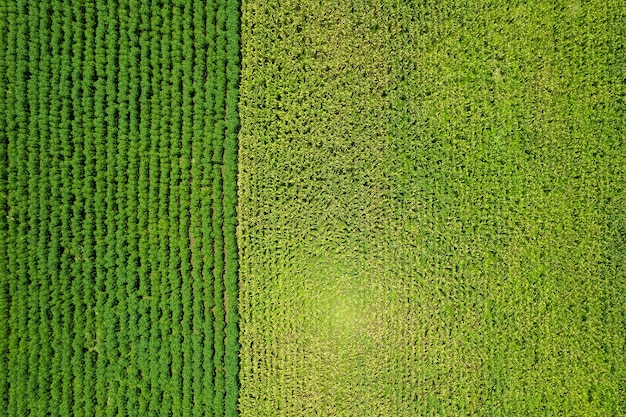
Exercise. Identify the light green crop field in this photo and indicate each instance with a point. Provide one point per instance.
(432, 211)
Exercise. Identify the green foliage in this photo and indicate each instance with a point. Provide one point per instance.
(231, 357)
(5, 305)
(118, 281)
(431, 208)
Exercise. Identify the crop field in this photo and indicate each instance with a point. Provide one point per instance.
(118, 263)
(432, 206)
(267, 208)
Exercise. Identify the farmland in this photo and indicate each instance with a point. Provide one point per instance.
(312, 208)
(118, 263)
(431, 204)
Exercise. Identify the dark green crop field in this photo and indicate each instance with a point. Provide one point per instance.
(311, 208)
(433, 208)
(118, 264)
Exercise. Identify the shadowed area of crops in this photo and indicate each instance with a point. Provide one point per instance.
(431, 205)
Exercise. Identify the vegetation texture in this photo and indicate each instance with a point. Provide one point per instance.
(118, 266)
(432, 206)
